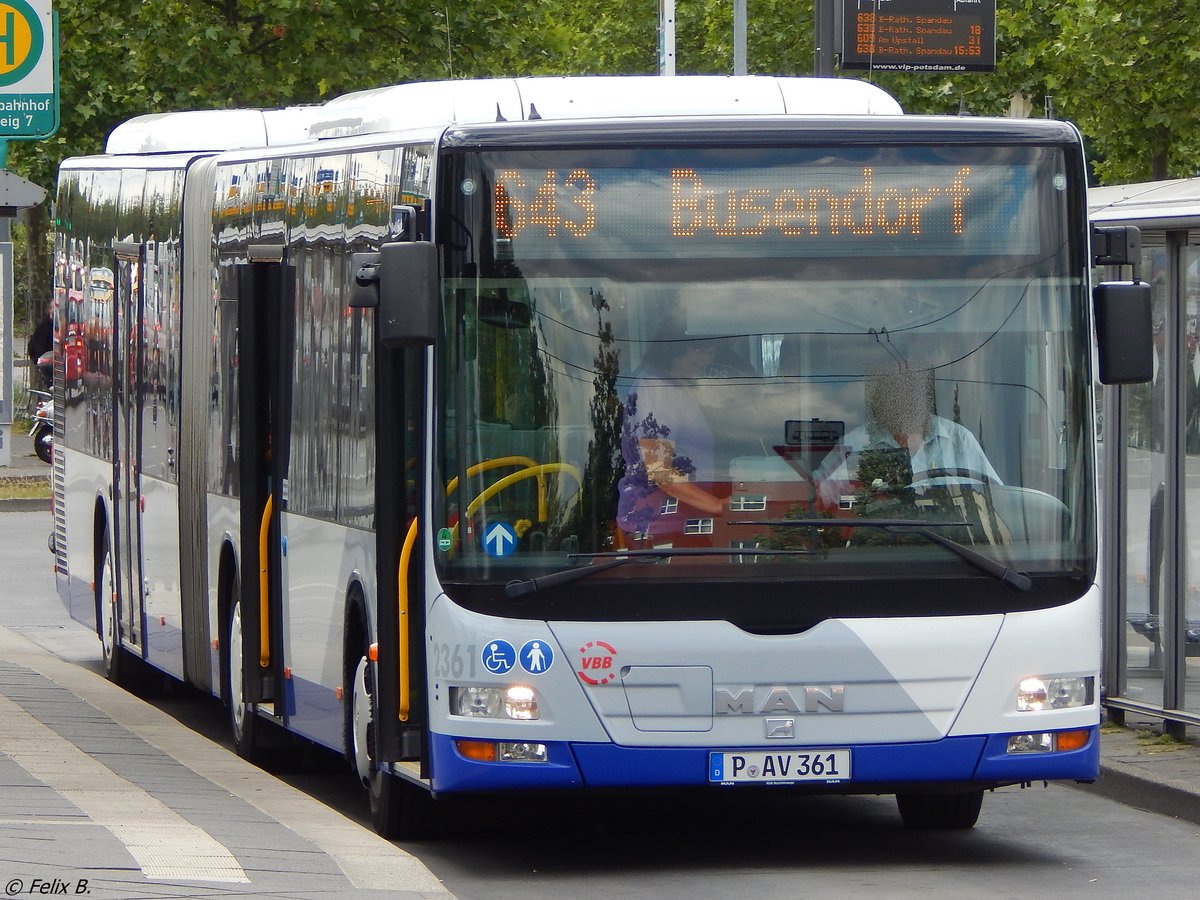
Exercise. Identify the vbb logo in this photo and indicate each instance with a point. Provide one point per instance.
(596, 662)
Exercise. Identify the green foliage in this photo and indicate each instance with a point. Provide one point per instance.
(1120, 69)
(1129, 85)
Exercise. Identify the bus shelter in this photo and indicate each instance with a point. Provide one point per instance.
(1150, 460)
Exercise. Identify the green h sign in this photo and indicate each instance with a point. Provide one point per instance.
(28, 69)
(9, 39)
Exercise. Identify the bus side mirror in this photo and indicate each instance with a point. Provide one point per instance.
(401, 283)
(1124, 339)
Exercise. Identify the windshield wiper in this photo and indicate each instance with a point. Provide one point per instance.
(521, 587)
(1018, 580)
(614, 558)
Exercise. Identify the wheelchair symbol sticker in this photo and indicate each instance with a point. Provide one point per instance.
(498, 657)
(536, 657)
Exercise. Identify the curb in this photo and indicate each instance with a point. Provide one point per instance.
(1134, 789)
(31, 504)
(1147, 775)
(24, 469)
(25, 504)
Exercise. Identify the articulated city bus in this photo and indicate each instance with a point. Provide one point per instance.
(533, 434)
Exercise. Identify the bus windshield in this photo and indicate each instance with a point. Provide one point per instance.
(802, 358)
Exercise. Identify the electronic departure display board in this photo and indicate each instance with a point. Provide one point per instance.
(919, 35)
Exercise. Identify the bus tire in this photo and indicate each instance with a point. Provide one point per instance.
(950, 811)
(108, 613)
(243, 721)
(399, 810)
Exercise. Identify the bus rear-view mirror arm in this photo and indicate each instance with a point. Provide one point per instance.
(1124, 330)
(400, 282)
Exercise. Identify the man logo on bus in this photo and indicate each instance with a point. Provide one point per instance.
(597, 662)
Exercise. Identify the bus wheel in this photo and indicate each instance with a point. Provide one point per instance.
(941, 811)
(242, 718)
(108, 615)
(398, 809)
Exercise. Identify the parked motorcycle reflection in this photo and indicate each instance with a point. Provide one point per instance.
(42, 431)
(45, 370)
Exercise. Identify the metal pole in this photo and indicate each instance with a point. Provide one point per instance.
(739, 37)
(666, 37)
(823, 37)
(6, 351)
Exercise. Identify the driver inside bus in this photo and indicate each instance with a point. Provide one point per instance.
(900, 417)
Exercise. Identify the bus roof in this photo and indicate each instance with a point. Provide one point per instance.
(1164, 203)
(444, 103)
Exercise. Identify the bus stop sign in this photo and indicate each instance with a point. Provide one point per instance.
(28, 70)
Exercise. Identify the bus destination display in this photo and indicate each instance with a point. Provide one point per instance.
(832, 210)
(920, 35)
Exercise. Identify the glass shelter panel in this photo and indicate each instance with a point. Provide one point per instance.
(1190, 269)
(1145, 436)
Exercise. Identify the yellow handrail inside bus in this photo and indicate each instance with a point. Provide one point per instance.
(537, 471)
(402, 599)
(264, 616)
(488, 464)
(532, 470)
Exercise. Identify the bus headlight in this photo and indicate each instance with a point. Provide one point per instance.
(1049, 741)
(1039, 693)
(502, 751)
(514, 702)
(520, 702)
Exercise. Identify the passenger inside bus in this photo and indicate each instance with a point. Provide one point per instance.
(666, 441)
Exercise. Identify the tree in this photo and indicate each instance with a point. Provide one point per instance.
(1120, 69)
(1127, 73)
(122, 58)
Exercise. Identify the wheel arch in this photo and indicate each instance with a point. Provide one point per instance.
(227, 578)
(100, 520)
(356, 635)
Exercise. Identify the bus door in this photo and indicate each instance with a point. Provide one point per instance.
(400, 617)
(401, 284)
(127, 429)
(266, 298)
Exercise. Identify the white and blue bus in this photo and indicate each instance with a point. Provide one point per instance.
(581, 433)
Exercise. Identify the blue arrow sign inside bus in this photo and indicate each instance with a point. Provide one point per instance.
(500, 540)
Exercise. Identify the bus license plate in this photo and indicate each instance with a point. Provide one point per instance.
(779, 766)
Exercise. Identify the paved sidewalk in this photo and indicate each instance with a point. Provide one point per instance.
(104, 795)
(1142, 769)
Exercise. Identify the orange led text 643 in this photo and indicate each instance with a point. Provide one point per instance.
(567, 204)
